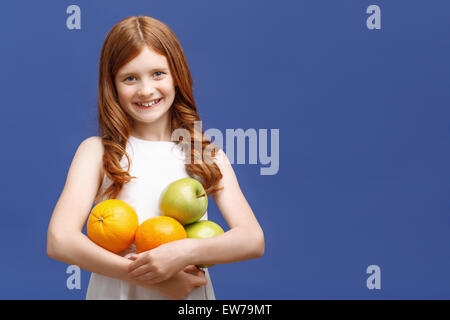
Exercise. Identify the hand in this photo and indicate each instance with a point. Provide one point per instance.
(180, 285)
(159, 264)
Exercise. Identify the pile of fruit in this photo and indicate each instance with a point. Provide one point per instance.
(113, 224)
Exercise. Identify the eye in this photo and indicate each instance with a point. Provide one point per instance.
(129, 77)
(157, 74)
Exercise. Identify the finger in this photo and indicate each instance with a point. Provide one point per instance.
(137, 263)
(132, 258)
(191, 269)
(148, 277)
(155, 280)
(139, 271)
(151, 278)
(197, 272)
(197, 281)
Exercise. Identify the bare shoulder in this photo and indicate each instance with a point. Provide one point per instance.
(229, 179)
(89, 157)
(92, 145)
(230, 200)
(221, 159)
(82, 184)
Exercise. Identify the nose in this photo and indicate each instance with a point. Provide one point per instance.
(146, 90)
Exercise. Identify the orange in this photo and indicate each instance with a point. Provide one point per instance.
(156, 231)
(112, 225)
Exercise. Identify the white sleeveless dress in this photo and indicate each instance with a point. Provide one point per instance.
(155, 164)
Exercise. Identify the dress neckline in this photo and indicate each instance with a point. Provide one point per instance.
(151, 141)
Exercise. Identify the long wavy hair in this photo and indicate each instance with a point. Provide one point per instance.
(123, 43)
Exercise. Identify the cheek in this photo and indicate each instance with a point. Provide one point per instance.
(168, 90)
(124, 94)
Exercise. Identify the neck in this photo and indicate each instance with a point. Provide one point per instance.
(159, 131)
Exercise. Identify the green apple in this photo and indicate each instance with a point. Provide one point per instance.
(201, 230)
(185, 200)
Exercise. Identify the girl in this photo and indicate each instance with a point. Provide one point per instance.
(144, 94)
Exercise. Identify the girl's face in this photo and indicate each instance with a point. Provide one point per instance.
(146, 79)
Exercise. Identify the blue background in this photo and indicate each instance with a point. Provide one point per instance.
(364, 137)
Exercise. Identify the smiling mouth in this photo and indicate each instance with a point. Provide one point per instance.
(148, 105)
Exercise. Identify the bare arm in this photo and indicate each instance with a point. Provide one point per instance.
(65, 240)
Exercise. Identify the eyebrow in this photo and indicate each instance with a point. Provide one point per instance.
(123, 74)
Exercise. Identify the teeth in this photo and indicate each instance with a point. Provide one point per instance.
(148, 104)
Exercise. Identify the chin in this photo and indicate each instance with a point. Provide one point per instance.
(149, 118)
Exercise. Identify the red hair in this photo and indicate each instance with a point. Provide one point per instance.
(123, 43)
